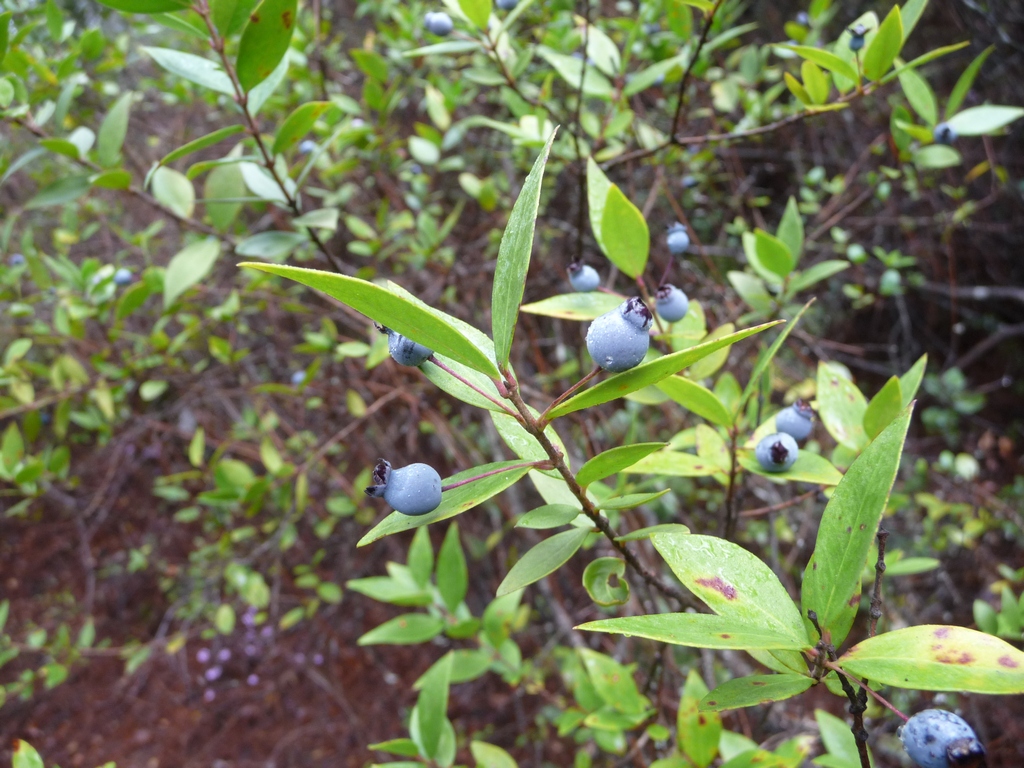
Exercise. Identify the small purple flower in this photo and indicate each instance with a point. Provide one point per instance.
(203, 655)
(253, 679)
(267, 631)
(213, 673)
(251, 649)
(318, 659)
(299, 658)
(209, 695)
(223, 654)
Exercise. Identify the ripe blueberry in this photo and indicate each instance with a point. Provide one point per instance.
(943, 133)
(16, 260)
(439, 23)
(298, 378)
(776, 453)
(671, 303)
(507, 5)
(678, 239)
(307, 146)
(411, 490)
(405, 351)
(936, 738)
(618, 340)
(803, 19)
(857, 34)
(797, 420)
(583, 277)
(122, 276)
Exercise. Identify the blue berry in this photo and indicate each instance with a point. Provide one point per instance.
(936, 738)
(306, 147)
(678, 239)
(123, 276)
(803, 19)
(857, 34)
(411, 490)
(618, 340)
(583, 277)
(405, 351)
(671, 303)
(689, 181)
(438, 23)
(943, 133)
(298, 378)
(776, 453)
(797, 420)
(16, 260)
(507, 5)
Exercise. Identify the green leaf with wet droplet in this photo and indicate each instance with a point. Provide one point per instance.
(841, 407)
(754, 689)
(939, 658)
(265, 41)
(832, 585)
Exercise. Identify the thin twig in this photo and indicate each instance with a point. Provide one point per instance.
(876, 596)
(542, 420)
(690, 65)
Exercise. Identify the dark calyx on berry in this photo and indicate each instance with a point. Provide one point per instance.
(381, 475)
(778, 452)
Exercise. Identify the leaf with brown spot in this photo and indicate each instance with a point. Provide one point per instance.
(755, 689)
(939, 658)
(265, 41)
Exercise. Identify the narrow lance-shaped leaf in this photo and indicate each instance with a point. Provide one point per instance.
(883, 408)
(614, 460)
(597, 192)
(625, 237)
(545, 558)
(298, 124)
(432, 705)
(831, 584)
(697, 733)
(390, 309)
(265, 41)
(885, 46)
(755, 689)
(146, 6)
(201, 143)
(765, 359)
(938, 658)
(588, 305)
(621, 384)
(452, 574)
(984, 120)
(698, 630)
(113, 131)
(963, 85)
(514, 258)
(187, 267)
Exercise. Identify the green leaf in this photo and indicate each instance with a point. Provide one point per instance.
(597, 581)
(408, 629)
(6, 89)
(258, 96)
(816, 85)
(938, 658)
(298, 124)
(613, 461)
(452, 574)
(371, 63)
(477, 11)
(838, 739)
(265, 41)
(800, 281)
(548, 516)
(225, 182)
(698, 630)
(65, 190)
(113, 131)
(937, 157)
(885, 46)
(753, 690)
(825, 59)
(808, 468)
(576, 306)
(696, 398)
(421, 557)
(61, 147)
(625, 238)
(5, 31)
(449, 46)
(697, 733)
(195, 69)
(773, 254)
(797, 89)
(985, 120)
(455, 501)
(390, 309)
(966, 80)
(224, 619)
(146, 6)
(791, 230)
(571, 70)
(911, 380)
(25, 756)
(642, 534)
(910, 14)
(490, 756)
(674, 464)
(174, 190)
(621, 384)
(831, 583)
(114, 179)
(403, 747)
(841, 407)
(432, 705)
(920, 96)
(514, 254)
(188, 267)
(732, 582)
(546, 557)
(883, 408)
(273, 246)
(597, 193)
